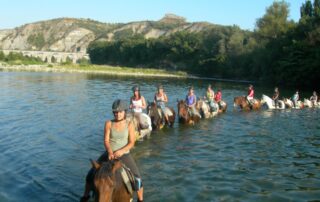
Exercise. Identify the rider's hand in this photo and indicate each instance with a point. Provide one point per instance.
(110, 156)
(118, 154)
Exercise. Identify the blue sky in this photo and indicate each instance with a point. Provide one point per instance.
(243, 13)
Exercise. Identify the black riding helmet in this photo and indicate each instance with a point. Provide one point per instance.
(119, 105)
(135, 88)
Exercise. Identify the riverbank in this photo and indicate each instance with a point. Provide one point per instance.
(96, 69)
(110, 70)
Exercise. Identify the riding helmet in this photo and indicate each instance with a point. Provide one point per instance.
(119, 105)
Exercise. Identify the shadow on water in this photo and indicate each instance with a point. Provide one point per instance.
(51, 124)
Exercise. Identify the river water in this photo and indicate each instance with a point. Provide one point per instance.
(51, 124)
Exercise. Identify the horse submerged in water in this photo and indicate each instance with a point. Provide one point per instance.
(242, 102)
(205, 110)
(157, 117)
(184, 114)
(108, 182)
(265, 100)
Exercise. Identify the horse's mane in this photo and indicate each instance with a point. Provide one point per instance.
(105, 171)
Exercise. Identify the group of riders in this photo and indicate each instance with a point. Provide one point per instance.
(276, 95)
(119, 135)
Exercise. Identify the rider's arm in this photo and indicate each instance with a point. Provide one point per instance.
(131, 141)
(131, 104)
(107, 128)
(194, 101)
(165, 98)
(143, 103)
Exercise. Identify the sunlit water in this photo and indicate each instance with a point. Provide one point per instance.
(52, 124)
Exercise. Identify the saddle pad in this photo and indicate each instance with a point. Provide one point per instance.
(127, 178)
(168, 112)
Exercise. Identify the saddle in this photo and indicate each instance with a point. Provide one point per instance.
(132, 183)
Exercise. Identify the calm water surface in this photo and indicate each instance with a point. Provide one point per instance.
(51, 124)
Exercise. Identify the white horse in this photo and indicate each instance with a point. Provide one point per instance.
(307, 103)
(289, 104)
(270, 103)
(205, 110)
(142, 123)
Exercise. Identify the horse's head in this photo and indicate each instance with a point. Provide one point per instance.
(203, 107)
(183, 110)
(155, 115)
(239, 101)
(105, 179)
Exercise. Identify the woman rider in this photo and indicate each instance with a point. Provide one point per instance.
(250, 96)
(295, 98)
(119, 138)
(275, 96)
(137, 101)
(218, 98)
(210, 97)
(160, 98)
(191, 101)
(314, 98)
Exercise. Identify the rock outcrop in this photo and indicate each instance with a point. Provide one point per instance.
(74, 35)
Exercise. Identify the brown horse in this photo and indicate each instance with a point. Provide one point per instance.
(108, 182)
(242, 102)
(157, 118)
(184, 114)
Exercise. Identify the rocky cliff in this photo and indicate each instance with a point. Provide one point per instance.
(74, 35)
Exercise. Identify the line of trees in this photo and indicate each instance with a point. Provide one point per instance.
(19, 58)
(278, 51)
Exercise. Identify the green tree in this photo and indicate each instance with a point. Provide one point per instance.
(316, 8)
(275, 21)
(2, 56)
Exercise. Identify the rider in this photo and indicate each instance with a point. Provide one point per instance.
(218, 97)
(295, 98)
(250, 96)
(137, 101)
(191, 101)
(119, 138)
(160, 98)
(275, 96)
(210, 97)
(314, 98)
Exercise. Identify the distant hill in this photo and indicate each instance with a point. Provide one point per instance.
(74, 35)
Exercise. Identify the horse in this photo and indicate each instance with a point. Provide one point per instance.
(157, 118)
(288, 103)
(184, 114)
(205, 109)
(242, 102)
(270, 103)
(108, 182)
(142, 124)
(222, 106)
(307, 103)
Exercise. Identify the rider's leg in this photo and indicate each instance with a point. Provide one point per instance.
(130, 163)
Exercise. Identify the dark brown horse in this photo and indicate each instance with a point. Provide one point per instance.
(108, 182)
(157, 117)
(242, 102)
(184, 114)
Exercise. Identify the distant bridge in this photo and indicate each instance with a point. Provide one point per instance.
(51, 57)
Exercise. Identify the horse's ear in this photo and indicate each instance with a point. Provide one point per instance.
(95, 164)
